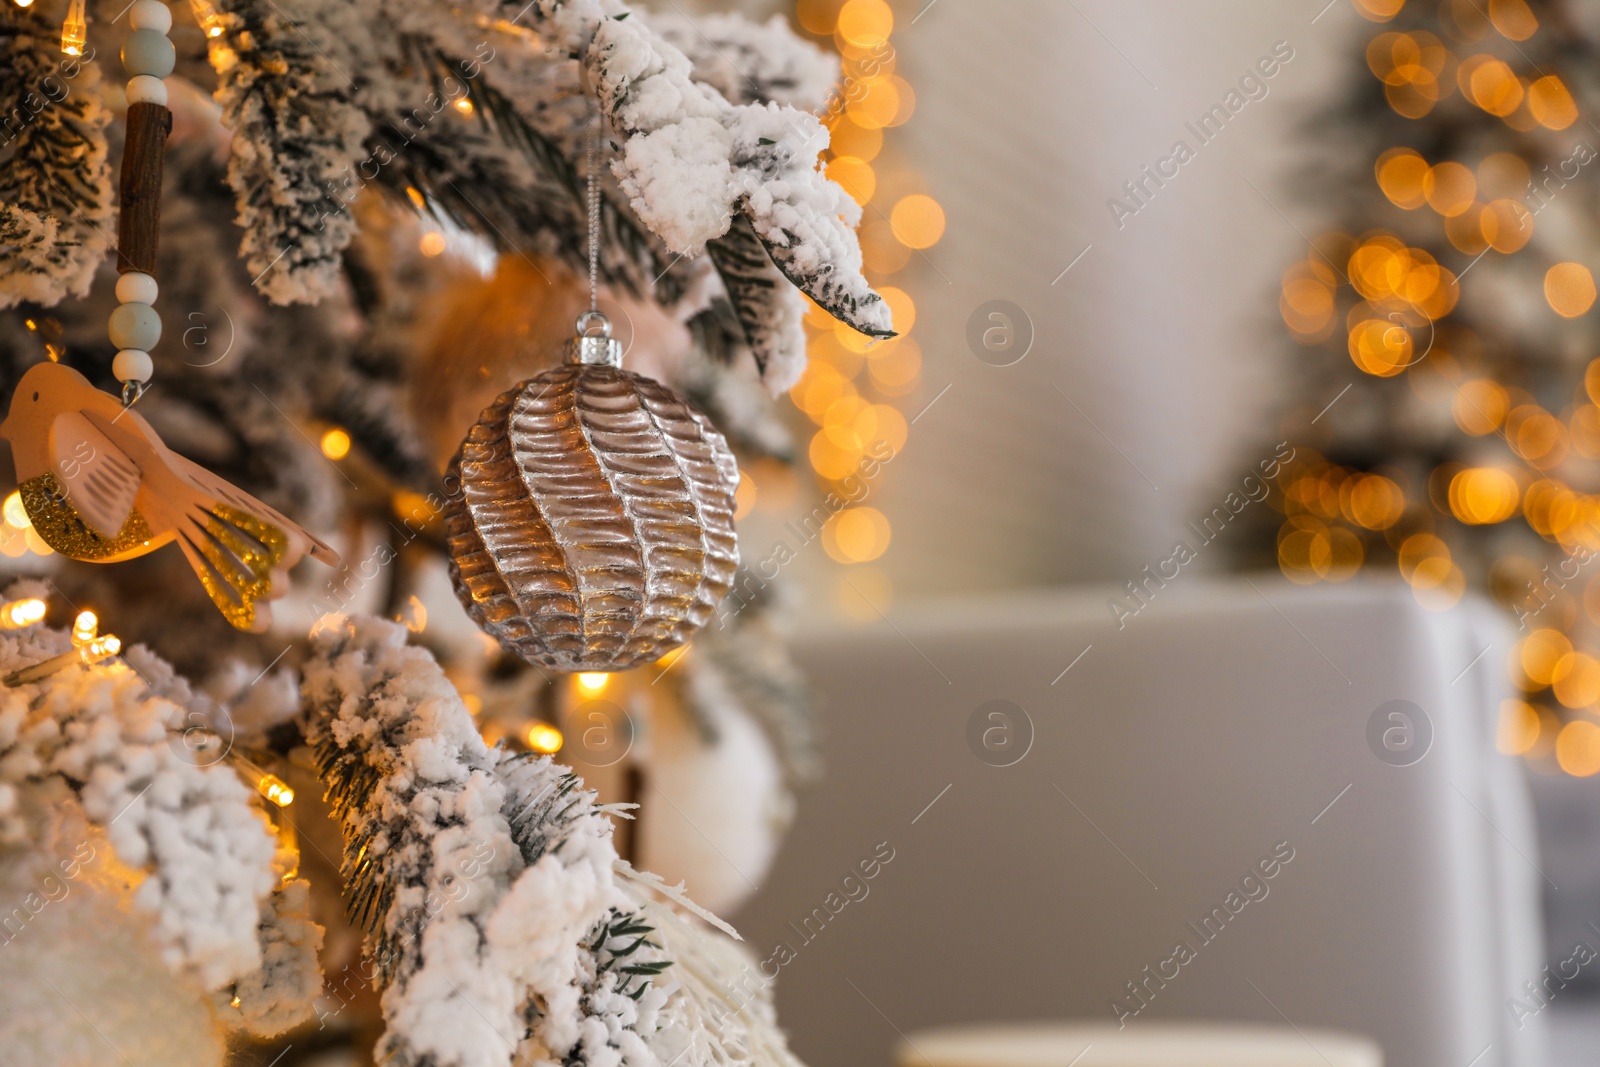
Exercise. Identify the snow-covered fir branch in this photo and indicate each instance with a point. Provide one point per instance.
(295, 126)
(719, 1008)
(751, 62)
(614, 1014)
(480, 878)
(704, 152)
(193, 832)
(55, 185)
(281, 993)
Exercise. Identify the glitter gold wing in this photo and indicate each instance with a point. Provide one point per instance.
(55, 521)
(239, 558)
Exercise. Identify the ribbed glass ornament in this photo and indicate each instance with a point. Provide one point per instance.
(590, 519)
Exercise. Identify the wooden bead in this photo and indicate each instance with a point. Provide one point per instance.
(150, 15)
(135, 326)
(132, 365)
(143, 89)
(136, 287)
(148, 52)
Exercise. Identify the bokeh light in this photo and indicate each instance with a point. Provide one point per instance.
(1578, 748)
(918, 221)
(1379, 10)
(1569, 289)
(1483, 495)
(1519, 727)
(864, 23)
(336, 443)
(1513, 18)
(1551, 104)
(857, 535)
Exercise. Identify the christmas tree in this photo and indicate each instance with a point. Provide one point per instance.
(348, 831)
(1447, 424)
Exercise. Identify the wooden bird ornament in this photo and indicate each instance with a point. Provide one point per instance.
(99, 485)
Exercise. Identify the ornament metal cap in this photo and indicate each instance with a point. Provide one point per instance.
(594, 343)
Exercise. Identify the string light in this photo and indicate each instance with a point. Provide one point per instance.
(88, 654)
(544, 738)
(269, 785)
(414, 616)
(15, 513)
(85, 628)
(16, 614)
(206, 15)
(100, 648)
(592, 683)
(276, 790)
(336, 443)
(75, 30)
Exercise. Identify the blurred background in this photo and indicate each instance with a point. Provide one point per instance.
(1298, 290)
(1188, 618)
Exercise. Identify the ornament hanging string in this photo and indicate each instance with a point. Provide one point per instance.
(594, 211)
(593, 342)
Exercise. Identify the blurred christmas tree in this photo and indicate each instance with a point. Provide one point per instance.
(1463, 446)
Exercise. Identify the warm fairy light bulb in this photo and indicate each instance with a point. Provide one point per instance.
(15, 513)
(75, 31)
(15, 614)
(593, 683)
(544, 738)
(85, 628)
(336, 444)
(275, 789)
(24, 3)
(464, 106)
(206, 15)
(98, 649)
(269, 785)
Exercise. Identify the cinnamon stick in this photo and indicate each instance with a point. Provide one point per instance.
(139, 225)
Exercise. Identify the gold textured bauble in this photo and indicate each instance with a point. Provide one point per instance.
(590, 519)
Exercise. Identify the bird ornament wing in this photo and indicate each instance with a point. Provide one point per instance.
(96, 477)
(302, 541)
(240, 548)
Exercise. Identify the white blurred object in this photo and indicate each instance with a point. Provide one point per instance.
(1155, 1045)
(82, 983)
(1569, 843)
(713, 812)
(1166, 759)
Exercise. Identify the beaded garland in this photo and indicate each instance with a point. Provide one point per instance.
(135, 326)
